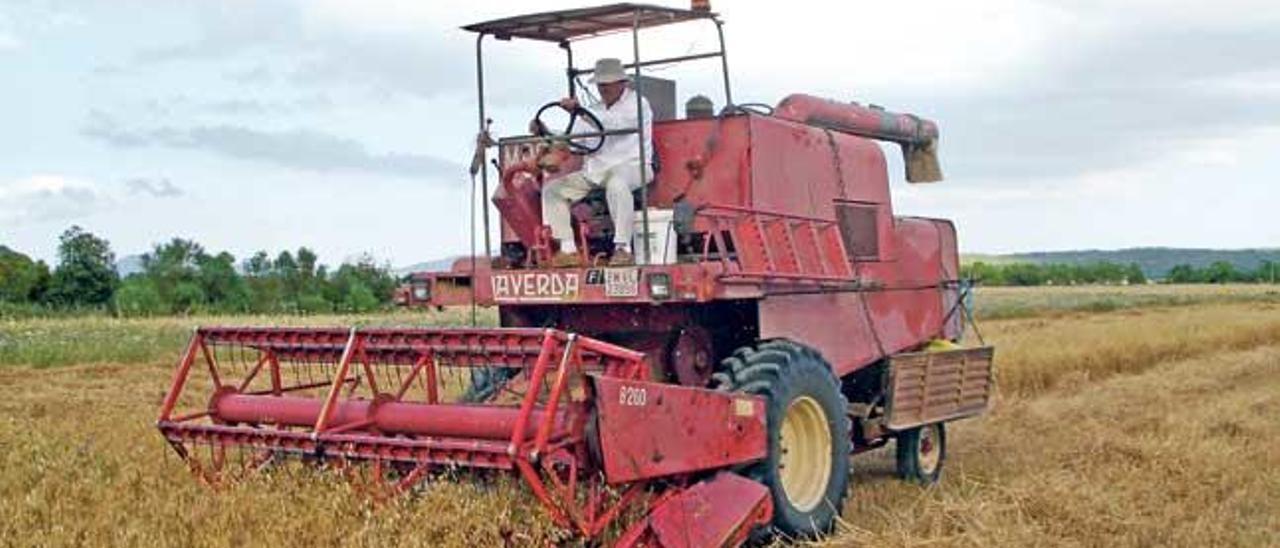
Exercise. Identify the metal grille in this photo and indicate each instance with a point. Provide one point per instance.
(858, 227)
(929, 387)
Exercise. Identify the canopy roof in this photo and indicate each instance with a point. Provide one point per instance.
(566, 25)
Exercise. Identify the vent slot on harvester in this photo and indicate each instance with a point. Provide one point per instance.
(859, 229)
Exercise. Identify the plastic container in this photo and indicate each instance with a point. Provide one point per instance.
(660, 240)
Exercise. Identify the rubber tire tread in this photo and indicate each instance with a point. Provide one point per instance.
(908, 459)
(780, 370)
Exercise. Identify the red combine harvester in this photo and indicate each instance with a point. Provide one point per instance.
(780, 319)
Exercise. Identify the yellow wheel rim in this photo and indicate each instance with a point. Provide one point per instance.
(929, 453)
(805, 463)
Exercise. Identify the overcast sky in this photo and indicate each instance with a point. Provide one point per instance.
(345, 126)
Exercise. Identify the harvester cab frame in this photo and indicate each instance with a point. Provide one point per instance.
(713, 392)
(563, 28)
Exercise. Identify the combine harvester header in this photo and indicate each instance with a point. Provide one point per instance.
(404, 399)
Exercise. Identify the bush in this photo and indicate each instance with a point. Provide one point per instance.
(138, 297)
(314, 303)
(360, 299)
(187, 297)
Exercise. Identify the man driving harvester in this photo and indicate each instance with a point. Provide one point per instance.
(613, 166)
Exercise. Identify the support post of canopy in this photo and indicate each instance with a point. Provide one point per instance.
(644, 188)
(570, 72)
(724, 63)
(484, 170)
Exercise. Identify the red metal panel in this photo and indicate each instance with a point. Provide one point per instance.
(913, 313)
(704, 160)
(753, 249)
(719, 512)
(791, 168)
(949, 266)
(805, 236)
(901, 306)
(651, 430)
(842, 336)
(862, 165)
(833, 251)
(778, 238)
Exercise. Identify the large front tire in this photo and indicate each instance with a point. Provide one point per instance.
(807, 467)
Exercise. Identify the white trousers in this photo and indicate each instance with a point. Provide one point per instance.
(559, 194)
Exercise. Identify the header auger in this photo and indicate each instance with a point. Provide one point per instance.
(781, 318)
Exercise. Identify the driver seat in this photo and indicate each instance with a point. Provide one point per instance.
(591, 220)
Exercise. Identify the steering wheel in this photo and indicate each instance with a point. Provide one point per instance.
(754, 108)
(575, 145)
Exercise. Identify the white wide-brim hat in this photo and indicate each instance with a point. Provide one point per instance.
(608, 71)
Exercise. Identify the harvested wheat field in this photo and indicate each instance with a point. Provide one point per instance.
(1148, 423)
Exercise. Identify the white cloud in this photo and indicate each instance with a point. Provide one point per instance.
(55, 197)
(946, 46)
(1224, 153)
(50, 197)
(1092, 121)
(158, 188)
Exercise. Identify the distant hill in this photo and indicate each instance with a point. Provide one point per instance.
(989, 258)
(1155, 262)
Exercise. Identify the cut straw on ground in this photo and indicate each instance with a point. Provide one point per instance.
(1136, 427)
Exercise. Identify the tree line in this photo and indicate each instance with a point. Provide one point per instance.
(1221, 272)
(181, 277)
(1104, 272)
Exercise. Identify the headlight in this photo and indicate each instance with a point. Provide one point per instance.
(659, 285)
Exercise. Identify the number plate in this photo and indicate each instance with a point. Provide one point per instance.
(621, 282)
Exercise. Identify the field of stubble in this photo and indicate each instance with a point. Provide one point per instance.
(1126, 416)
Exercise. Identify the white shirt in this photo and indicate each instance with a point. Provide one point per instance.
(618, 149)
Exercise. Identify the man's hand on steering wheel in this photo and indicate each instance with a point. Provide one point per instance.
(536, 127)
(580, 146)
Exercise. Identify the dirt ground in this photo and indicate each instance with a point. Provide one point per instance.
(1134, 427)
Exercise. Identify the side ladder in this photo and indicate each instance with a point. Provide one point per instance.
(774, 247)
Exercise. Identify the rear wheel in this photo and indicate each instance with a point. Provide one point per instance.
(921, 453)
(807, 467)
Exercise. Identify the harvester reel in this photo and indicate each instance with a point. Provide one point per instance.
(576, 145)
(807, 467)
